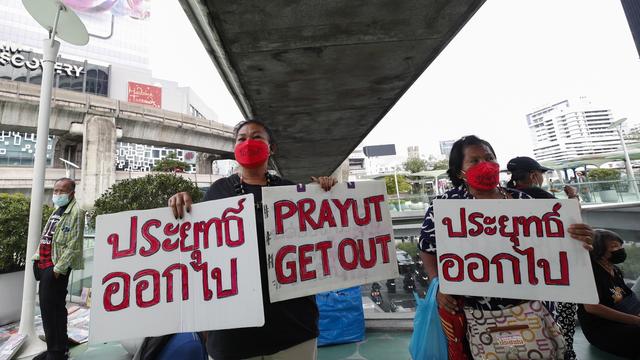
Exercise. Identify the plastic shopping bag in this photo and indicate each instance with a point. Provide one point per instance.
(428, 341)
(341, 316)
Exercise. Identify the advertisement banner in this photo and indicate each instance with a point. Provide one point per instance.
(145, 94)
(326, 240)
(512, 249)
(155, 275)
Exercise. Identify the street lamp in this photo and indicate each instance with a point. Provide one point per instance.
(59, 21)
(70, 169)
(395, 177)
(634, 185)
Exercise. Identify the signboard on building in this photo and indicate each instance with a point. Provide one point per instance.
(379, 150)
(18, 57)
(320, 240)
(145, 94)
(512, 249)
(158, 275)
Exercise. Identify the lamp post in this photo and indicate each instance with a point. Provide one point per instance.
(59, 21)
(70, 169)
(395, 176)
(634, 185)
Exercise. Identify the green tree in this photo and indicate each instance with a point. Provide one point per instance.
(151, 191)
(414, 165)
(441, 165)
(390, 181)
(632, 137)
(410, 248)
(603, 175)
(170, 164)
(14, 229)
(631, 266)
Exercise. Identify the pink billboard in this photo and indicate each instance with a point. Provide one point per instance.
(145, 94)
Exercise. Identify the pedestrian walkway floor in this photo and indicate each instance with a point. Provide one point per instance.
(378, 345)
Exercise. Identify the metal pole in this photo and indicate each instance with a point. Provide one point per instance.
(50, 48)
(627, 161)
(395, 176)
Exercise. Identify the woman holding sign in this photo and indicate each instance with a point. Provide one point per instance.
(290, 328)
(474, 172)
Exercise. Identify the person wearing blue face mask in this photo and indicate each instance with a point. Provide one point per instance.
(59, 252)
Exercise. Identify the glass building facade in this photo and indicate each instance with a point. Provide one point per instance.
(18, 149)
(24, 66)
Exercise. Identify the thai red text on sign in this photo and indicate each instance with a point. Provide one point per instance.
(512, 249)
(320, 240)
(155, 275)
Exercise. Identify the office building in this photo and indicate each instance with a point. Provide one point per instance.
(413, 152)
(571, 128)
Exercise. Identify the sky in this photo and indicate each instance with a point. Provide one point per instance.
(512, 57)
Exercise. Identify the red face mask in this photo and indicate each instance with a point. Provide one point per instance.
(484, 176)
(252, 153)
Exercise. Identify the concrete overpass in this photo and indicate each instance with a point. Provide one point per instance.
(134, 123)
(97, 123)
(323, 73)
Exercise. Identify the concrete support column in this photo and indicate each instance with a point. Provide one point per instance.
(98, 158)
(204, 161)
(342, 172)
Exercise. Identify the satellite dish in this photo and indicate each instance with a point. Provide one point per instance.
(58, 20)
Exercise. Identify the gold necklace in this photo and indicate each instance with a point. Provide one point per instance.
(502, 192)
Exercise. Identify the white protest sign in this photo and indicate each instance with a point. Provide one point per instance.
(155, 275)
(326, 240)
(517, 249)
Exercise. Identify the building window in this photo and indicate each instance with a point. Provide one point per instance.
(97, 82)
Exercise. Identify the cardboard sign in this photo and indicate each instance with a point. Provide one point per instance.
(512, 249)
(320, 241)
(155, 275)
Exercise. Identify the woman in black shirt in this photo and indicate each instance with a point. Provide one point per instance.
(613, 325)
(291, 326)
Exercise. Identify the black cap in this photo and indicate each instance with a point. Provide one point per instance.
(524, 163)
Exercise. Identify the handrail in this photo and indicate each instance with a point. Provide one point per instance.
(589, 192)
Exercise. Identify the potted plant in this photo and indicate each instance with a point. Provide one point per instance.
(605, 186)
(14, 227)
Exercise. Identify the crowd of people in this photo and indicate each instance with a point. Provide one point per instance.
(291, 327)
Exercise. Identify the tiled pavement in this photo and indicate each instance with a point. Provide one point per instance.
(378, 345)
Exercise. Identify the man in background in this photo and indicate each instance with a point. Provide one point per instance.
(59, 252)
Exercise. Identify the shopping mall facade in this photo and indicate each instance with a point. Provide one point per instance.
(116, 67)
